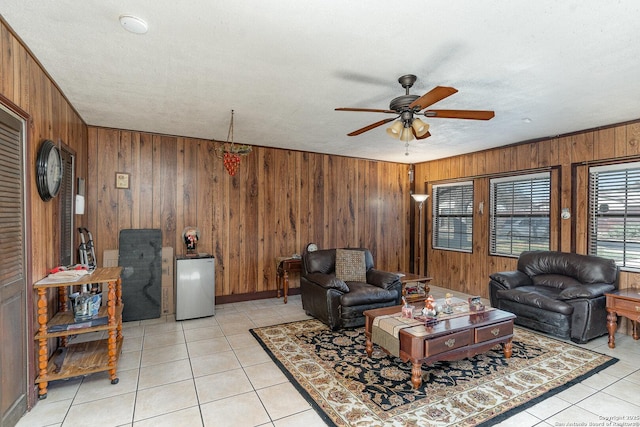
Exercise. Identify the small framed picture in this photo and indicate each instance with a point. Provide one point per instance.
(122, 180)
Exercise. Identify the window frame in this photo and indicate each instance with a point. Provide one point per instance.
(512, 217)
(595, 212)
(436, 216)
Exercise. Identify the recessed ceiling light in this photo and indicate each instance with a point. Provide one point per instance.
(133, 24)
(526, 120)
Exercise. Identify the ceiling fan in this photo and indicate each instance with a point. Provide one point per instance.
(407, 106)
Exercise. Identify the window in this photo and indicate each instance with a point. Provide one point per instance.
(453, 216)
(614, 207)
(519, 218)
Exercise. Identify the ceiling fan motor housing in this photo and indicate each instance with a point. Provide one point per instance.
(402, 103)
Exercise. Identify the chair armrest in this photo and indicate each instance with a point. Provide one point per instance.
(586, 291)
(382, 279)
(511, 279)
(327, 281)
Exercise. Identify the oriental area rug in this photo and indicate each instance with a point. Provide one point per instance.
(347, 388)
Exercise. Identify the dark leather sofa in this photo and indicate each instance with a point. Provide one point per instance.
(558, 293)
(340, 304)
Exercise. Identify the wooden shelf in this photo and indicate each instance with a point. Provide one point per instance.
(82, 359)
(66, 318)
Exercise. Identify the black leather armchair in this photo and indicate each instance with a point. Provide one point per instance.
(339, 303)
(558, 293)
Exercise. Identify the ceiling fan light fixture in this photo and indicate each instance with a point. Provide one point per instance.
(395, 130)
(406, 135)
(420, 127)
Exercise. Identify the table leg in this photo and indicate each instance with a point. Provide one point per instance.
(416, 374)
(43, 350)
(508, 349)
(612, 324)
(635, 329)
(286, 285)
(369, 346)
(278, 279)
(111, 340)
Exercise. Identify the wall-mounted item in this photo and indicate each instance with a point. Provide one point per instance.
(48, 170)
(122, 180)
(80, 197)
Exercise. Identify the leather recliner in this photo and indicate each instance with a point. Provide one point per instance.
(340, 304)
(559, 293)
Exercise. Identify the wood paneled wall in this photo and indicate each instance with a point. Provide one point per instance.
(24, 83)
(278, 201)
(26, 87)
(568, 158)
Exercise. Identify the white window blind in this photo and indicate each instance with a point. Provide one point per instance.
(453, 216)
(519, 219)
(614, 213)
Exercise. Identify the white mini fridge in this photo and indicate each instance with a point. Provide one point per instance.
(195, 286)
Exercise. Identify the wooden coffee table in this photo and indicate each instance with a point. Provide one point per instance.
(453, 339)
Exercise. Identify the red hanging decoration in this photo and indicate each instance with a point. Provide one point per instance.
(230, 152)
(231, 162)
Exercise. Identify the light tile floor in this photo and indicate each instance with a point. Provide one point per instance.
(212, 372)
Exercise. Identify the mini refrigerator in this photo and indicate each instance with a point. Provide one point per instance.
(195, 286)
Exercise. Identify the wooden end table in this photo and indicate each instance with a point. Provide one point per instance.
(623, 302)
(284, 267)
(453, 339)
(422, 281)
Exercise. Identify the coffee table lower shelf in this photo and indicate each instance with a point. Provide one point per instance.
(453, 339)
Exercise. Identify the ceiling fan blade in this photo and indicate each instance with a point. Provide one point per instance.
(367, 110)
(460, 114)
(426, 135)
(436, 94)
(371, 126)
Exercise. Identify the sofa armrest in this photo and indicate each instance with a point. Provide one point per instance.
(511, 279)
(327, 281)
(382, 279)
(586, 291)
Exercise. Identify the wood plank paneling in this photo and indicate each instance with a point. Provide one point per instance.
(25, 85)
(568, 156)
(278, 201)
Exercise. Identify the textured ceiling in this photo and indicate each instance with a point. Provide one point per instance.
(284, 65)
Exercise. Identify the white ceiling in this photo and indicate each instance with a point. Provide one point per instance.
(284, 65)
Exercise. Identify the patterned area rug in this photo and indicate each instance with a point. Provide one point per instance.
(347, 388)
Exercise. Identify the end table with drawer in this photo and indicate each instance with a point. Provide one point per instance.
(284, 266)
(626, 303)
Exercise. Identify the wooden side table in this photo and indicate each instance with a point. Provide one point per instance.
(421, 283)
(284, 267)
(623, 302)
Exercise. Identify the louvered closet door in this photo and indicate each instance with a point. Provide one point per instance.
(13, 332)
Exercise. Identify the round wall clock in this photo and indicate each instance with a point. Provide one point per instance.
(48, 170)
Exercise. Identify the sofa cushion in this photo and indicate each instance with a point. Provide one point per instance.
(350, 265)
(321, 261)
(537, 296)
(586, 291)
(584, 268)
(364, 294)
(558, 281)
